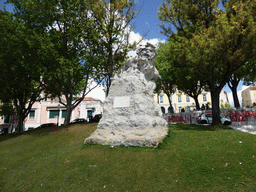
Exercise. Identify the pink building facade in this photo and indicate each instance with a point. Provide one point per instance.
(50, 111)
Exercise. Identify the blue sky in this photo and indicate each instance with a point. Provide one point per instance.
(147, 22)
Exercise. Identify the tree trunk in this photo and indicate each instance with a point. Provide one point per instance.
(235, 97)
(170, 102)
(69, 110)
(20, 121)
(197, 102)
(215, 98)
(234, 82)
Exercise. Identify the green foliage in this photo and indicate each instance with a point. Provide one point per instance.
(88, 41)
(225, 106)
(21, 68)
(112, 20)
(73, 58)
(7, 109)
(184, 78)
(250, 73)
(167, 79)
(187, 17)
(215, 44)
(166, 72)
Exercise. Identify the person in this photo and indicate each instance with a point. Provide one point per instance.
(203, 107)
(207, 106)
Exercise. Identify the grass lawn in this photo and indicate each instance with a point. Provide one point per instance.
(192, 158)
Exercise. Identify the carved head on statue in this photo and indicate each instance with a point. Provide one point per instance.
(144, 62)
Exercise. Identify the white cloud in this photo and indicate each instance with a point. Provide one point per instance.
(154, 41)
(97, 93)
(137, 37)
(134, 37)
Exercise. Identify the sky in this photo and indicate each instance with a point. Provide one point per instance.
(146, 23)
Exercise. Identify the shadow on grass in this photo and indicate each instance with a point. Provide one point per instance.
(41, 131)
(196, 127)
(34, 132)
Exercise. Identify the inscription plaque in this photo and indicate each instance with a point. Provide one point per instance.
(121, 102)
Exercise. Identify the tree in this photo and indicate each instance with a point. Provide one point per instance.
(187, 79)
(112, 19)
(166, 81)
(172, 77)
(190, 86)
(225, 106)
(245, 72)
(75, 57)
(216, 45)
(21, 69)
(250, 78)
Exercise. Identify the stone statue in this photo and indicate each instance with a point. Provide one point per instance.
(131, 117)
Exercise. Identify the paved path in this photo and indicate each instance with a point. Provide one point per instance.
(244, 128)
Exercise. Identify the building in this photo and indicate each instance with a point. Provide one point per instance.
(50, 111)
(249, 96)
(180, 101)
(223, 98)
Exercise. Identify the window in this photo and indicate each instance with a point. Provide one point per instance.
(54, 114)
(204, 97)
(188, 109)
(32, 114)
(179, 98)
(63, 114)
(187, 98)
(247, 103)
(89, 113)
(171, 97)
(161, 99)
(163, 110)
(245, 94)
(180, 109)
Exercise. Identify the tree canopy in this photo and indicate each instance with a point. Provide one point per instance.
(112, 20)
(21, 68)
(166, 80)
(215, 43)
(86, 41)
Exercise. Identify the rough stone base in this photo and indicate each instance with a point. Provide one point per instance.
(129, 136)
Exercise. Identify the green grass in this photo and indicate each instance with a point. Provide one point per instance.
(192, 158)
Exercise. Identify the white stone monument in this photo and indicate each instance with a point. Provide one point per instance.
(131, 117)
